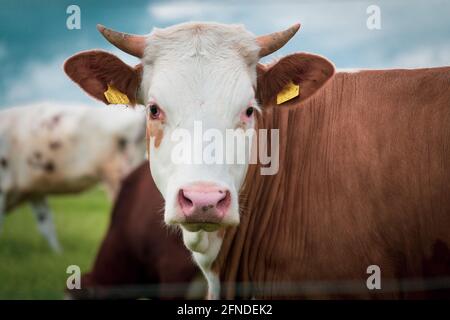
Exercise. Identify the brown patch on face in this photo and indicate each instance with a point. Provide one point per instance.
(154, 129)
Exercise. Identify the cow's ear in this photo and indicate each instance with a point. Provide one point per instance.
(307, 71)
(95, 70)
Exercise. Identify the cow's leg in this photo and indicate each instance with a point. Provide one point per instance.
(2, 209)
(44, 220)
(205, 247)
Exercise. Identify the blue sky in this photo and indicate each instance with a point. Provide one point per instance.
(34, 39)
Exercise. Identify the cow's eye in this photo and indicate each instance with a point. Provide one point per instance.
(249, 111)
(155, 112)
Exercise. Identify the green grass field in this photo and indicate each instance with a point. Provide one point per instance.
(28, 267)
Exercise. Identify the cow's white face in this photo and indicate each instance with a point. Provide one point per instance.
(199, 79)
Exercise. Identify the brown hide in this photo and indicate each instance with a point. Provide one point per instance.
(364, 179)
(140, 256)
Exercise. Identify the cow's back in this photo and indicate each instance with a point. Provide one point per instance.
(364, 180)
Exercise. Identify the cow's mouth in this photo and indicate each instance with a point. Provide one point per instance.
(205, 226)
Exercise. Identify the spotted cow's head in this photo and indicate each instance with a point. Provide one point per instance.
(196, 76)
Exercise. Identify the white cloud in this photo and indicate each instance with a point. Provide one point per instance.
(46, 81)
(39, 81)
(264, 15)
(423, 57)
(411, 37)
(188, 10)
(327, 23)
(125, 57)
(334, 29)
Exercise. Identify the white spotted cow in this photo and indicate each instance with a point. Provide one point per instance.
(50, 149)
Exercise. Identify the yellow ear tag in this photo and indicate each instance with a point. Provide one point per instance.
(114, 96)
(290, 91)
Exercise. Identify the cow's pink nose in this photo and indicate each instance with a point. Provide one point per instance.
(204, 203)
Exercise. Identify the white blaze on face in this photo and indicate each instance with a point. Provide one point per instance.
(199, 80)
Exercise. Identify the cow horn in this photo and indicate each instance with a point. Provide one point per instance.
(129, 43)
(272, 42)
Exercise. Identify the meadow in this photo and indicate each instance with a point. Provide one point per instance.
(29, 269)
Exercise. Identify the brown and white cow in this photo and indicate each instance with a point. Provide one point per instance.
(367, 157)
(47, 149)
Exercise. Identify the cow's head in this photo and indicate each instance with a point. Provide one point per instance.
(192, 75)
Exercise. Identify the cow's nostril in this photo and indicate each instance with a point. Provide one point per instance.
(225, 202)
(184, 201)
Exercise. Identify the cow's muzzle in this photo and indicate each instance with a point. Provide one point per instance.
(203, 206)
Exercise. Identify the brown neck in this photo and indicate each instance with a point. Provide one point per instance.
(258, 196)
(342, 174)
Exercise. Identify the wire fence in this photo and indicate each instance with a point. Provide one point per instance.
(197, 289)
